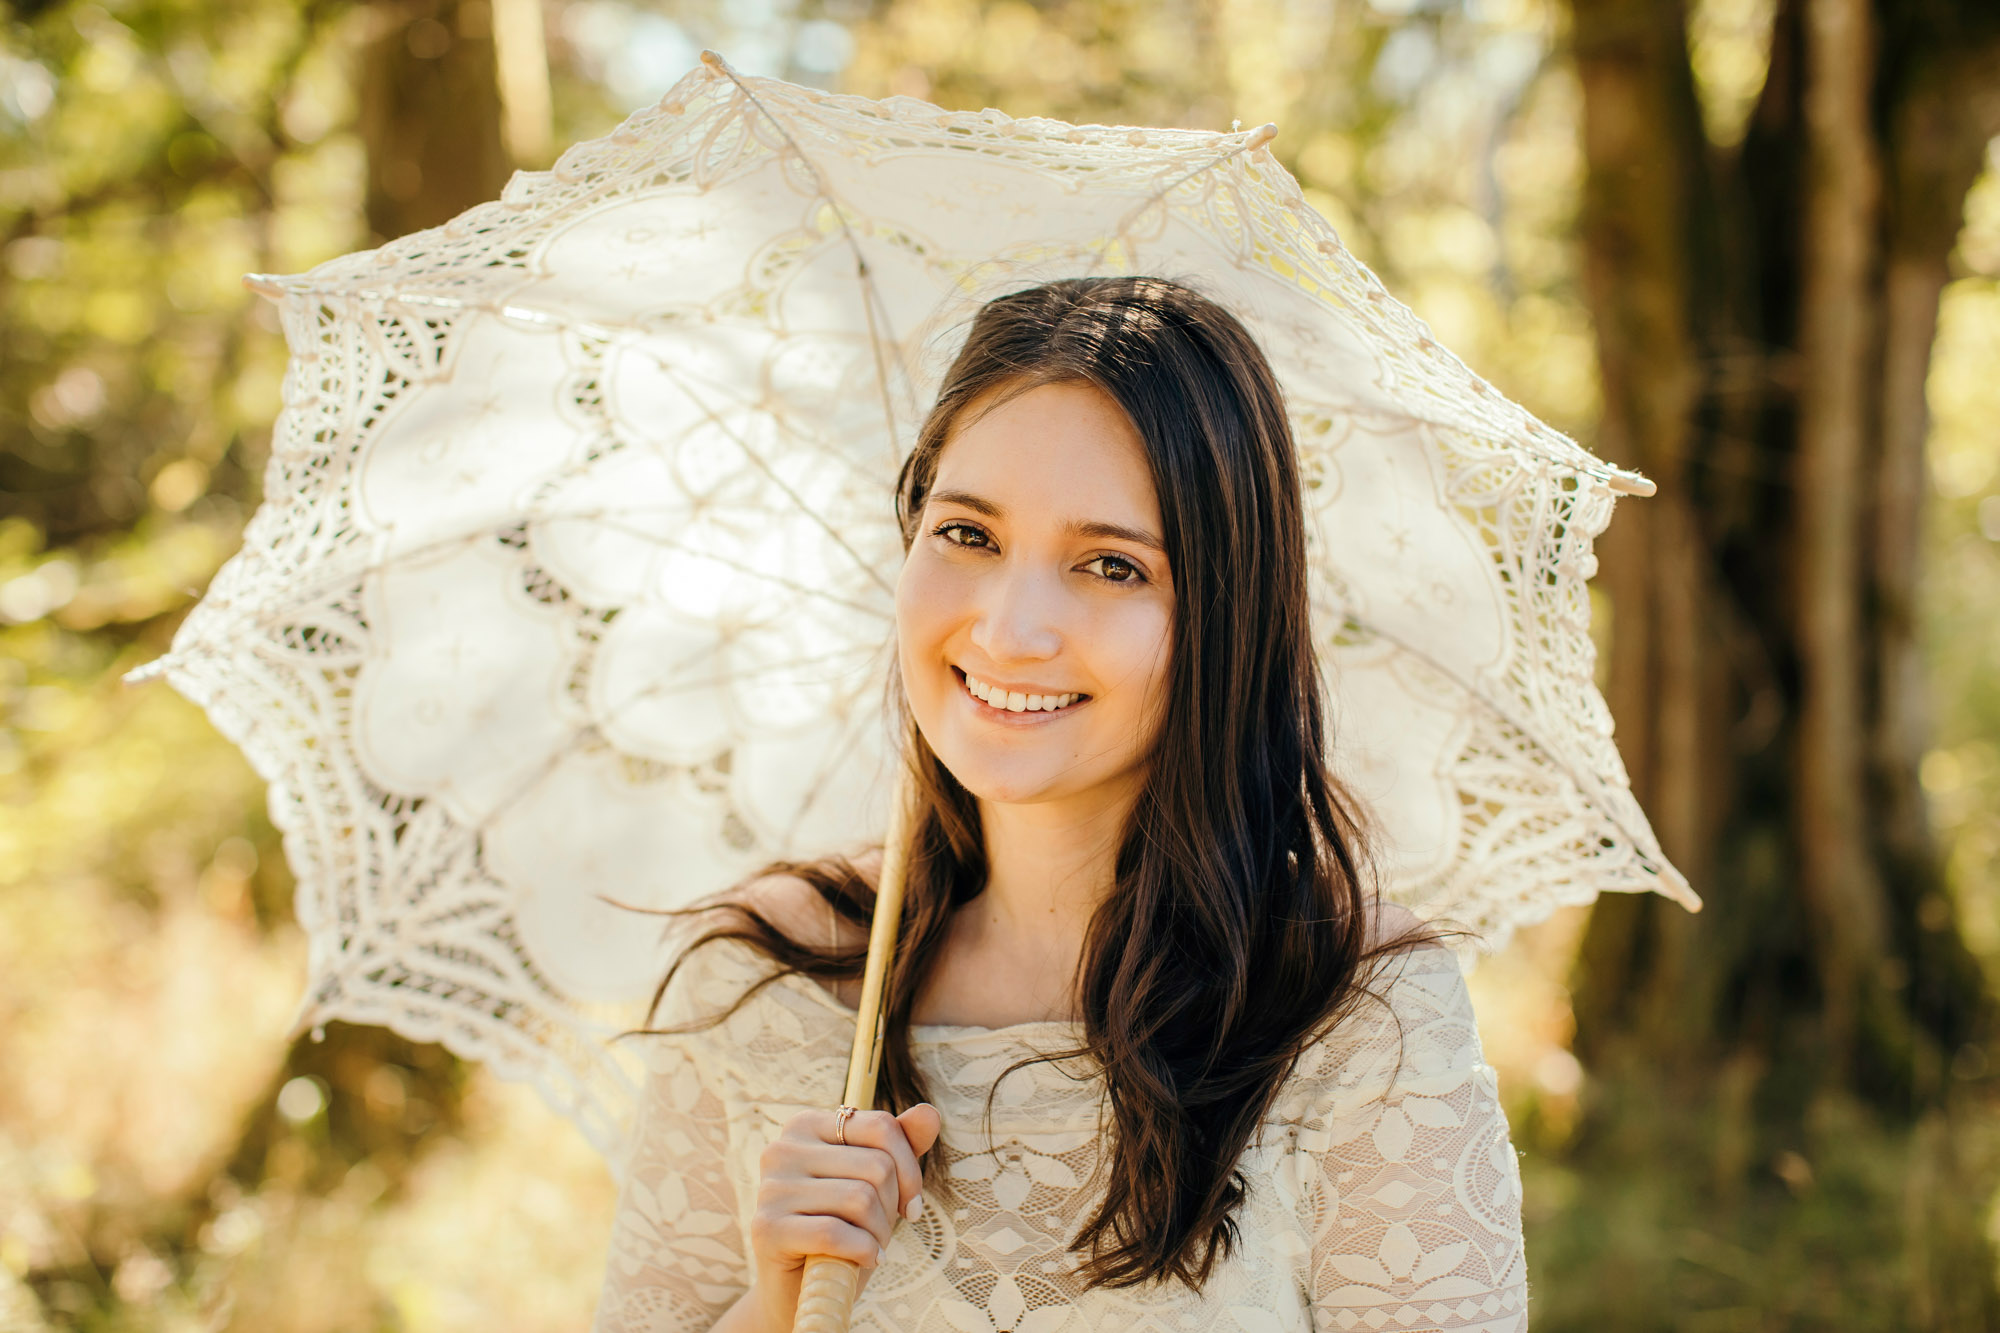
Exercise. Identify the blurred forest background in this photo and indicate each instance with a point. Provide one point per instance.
(1749, 246)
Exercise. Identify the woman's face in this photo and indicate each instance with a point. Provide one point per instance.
(1034, 609)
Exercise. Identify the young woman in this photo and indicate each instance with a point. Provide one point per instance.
(1162, 1060)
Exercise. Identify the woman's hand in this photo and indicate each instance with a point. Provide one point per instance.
(816, 1196)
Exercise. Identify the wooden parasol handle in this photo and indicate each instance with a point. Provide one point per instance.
(826, 1296)
(826, 1292)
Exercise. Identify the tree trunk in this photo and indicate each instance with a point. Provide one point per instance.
(430, 113)
(1838, 338)
(1764, 323)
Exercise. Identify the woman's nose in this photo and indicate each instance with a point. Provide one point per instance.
(1018, 620)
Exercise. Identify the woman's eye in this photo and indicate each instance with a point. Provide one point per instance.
(1116, 569)
(962, 534)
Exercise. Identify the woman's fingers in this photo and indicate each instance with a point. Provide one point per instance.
(868, 1169)
(798, 1192)
(921, 1126)
(884, 1133)
(810, 1146)
(796, 1236)
(816, 1195)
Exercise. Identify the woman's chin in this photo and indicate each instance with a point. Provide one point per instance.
(1005, 784)
(1019, 779)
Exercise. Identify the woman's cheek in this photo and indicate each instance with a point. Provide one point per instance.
(1142, 638)
(924, 614)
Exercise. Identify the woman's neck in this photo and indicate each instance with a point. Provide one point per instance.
(1048, 866)
(1013, 952)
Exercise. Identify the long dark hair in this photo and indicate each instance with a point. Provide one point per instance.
(1237, 929)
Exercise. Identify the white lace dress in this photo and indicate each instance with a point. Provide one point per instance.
(1383, 1190)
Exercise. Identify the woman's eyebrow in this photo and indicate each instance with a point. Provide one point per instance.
(979, 504)
(1118, 532)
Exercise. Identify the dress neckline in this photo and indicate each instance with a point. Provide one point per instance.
(941, 1033)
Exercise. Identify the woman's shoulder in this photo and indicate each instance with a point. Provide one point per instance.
(716, 970)
(1410, 980)
(1408, 1027)
(1389, 922)
(797, 909)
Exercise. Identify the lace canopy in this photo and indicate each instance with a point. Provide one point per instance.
(571, 586)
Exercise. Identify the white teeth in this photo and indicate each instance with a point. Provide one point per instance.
(1016, 702)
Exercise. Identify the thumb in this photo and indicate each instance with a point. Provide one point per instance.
(921, 1126)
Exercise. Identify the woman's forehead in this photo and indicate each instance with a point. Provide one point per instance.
(1063, 451)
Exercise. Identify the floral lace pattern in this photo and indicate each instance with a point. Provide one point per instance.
(1383, 1187)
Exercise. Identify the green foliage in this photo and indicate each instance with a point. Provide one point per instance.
(1962, 590)
(182, 146)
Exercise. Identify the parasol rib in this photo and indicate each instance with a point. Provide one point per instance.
(871, 302)
(763, 465)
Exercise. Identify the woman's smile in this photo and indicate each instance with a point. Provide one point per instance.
(1027, 703)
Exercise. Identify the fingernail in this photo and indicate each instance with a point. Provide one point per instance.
(916, 1208)
(880, 1255)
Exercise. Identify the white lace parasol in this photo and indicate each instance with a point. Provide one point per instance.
(572, 580)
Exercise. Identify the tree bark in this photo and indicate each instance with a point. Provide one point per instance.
(1764, 321)
(430, 113)
(1644, 204)
(1837, 877)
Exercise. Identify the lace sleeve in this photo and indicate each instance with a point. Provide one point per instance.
(677, 1260)
(1412, 1191)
